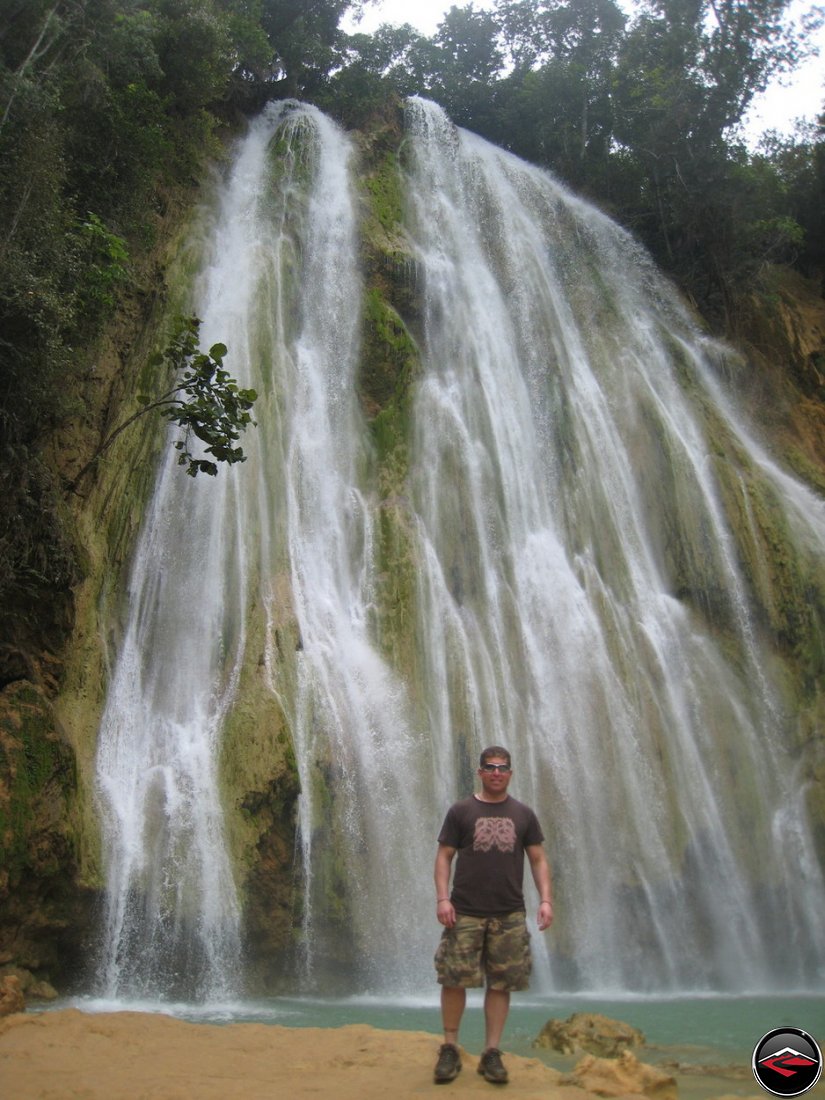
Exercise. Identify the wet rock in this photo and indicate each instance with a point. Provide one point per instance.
(46, 905)
(11, 995)
(41, 991)
(32, 988)
(590, 1032)
(622, 1076)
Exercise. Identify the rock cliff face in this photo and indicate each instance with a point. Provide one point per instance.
(45, 909)
(781, 331)
(782, 336)
(53, 694)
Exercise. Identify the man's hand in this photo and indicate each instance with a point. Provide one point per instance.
(446, 913)
(545, 915)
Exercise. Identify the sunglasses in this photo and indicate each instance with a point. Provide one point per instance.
(495, 767)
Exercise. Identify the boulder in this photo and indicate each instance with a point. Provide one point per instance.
(32, 988)
(589, 1032)
(622, 1076)
(11, 995)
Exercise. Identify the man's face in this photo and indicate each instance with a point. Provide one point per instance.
(495, 776)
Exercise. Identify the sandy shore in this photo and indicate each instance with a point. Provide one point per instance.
(71, 1055)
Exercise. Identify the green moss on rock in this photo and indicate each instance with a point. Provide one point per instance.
(390, 368)
(260, 788)
(45, 907)
(786, 578)
(389, 355)
(386, 199)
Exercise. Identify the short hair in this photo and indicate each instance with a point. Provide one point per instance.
(494, 750)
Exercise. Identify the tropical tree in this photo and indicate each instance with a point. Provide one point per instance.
(205, 401)
(462, 64)
(306, 40)
(559, 94)
(686, 73)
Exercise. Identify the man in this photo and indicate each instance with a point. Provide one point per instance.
(485, 930)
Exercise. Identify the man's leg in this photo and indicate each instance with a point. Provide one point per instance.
(458, 964)
(448, 1066)
(453, 999)
(496, 1007)
(508, 968)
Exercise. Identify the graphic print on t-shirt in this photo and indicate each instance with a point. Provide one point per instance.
(494, 832)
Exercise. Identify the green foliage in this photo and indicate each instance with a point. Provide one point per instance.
(103, 268)
(205, 401)
(796, 168)
(641, 116)
(215, 409)
(107, 107)
(306, 41)
(377, 69)
(683, 77)
(562, 57)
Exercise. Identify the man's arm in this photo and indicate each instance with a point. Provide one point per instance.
(540, 869)
(444, 907)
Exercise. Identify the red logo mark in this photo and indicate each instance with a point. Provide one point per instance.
(787, 1062)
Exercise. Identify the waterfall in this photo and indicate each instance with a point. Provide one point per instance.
(567, 505)
(283, 290)
(578, 598)
(172, 920)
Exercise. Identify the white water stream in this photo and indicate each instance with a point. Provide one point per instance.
(579, 599)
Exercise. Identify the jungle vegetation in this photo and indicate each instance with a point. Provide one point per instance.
(110, 110)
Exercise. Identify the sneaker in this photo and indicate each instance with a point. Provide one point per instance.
(448, 1065)
(492, 1068)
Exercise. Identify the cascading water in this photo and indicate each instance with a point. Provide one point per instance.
(284, 292)
(171, 925)
(356, 753)
(567, 505)
(578, 598)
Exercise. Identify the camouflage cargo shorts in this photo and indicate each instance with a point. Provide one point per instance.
(495, 947)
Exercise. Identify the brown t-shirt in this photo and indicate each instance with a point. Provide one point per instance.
(490, 838)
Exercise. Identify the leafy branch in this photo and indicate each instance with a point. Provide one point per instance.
(206, 402)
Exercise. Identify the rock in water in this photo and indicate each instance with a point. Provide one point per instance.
(590, 1032)
(622, 1076)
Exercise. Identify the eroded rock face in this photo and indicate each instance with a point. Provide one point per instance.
(11, 995)
(592, 1033)
(31, 988)
(622, 1076)
(269, 909)
(44, 905)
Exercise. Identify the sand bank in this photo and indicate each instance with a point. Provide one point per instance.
(72, 1055)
